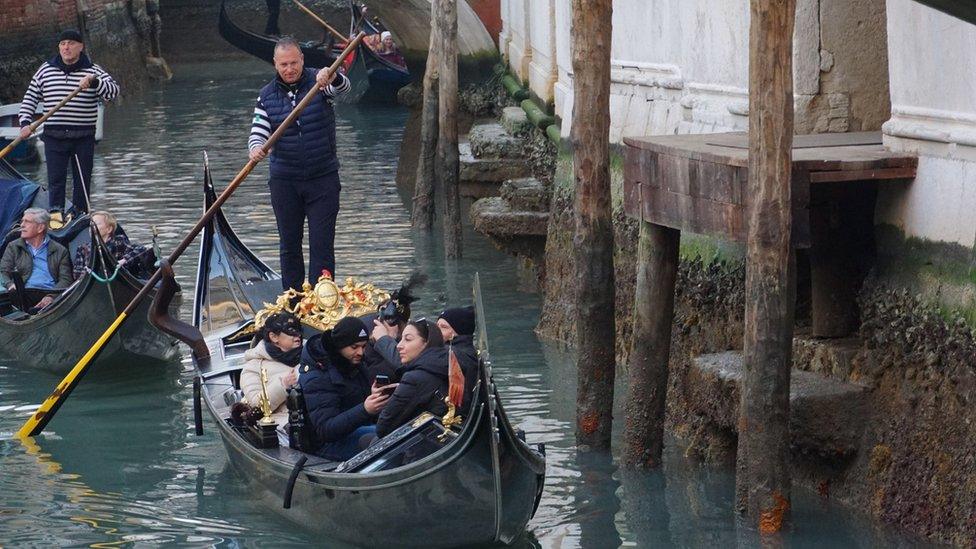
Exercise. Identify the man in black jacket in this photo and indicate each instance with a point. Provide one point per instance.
(342, 404)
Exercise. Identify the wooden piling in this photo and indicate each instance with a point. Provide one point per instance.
(422, 215)
(763, 456)
(657, 271)
(448, 159)
(593, 235)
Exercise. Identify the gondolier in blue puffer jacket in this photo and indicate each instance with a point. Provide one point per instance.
(304, 179)
(69, 134)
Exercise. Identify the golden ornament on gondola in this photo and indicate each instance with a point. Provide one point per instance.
(326, 304)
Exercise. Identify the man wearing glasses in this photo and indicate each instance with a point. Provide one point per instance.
(40, 262)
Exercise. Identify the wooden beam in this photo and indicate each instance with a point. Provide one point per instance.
(422, 214)
(657, 272)
(448, 159)
(763, 456)
(593, 234)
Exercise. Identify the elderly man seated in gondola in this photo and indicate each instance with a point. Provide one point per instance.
(135, 258)
(39, 261)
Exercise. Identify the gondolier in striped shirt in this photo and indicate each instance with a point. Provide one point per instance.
(69, 134)
(304, 179)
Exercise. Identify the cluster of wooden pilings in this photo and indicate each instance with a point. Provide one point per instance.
(762, 472)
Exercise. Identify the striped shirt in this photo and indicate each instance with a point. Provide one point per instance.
(50, 84)
(261, 126)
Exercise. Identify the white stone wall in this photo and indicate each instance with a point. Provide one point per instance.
(932, 67)
(682, 65)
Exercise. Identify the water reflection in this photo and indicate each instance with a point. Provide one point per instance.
(121, 464)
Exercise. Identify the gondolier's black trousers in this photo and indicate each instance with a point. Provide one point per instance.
(60, 154)
(293, 201)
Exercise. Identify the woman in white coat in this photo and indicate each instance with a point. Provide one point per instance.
(278, 352)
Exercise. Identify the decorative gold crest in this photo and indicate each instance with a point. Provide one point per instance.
(327, 303)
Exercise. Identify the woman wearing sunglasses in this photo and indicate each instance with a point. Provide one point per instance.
(425, 380)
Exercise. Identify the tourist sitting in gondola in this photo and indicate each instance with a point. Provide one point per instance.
(457, 328)
(277, 354)
(340, 400)
(425, 381)
(385, 326)
(39, 261)
(137, 259)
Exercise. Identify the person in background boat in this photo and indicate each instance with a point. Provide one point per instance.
(341, 402)
(304, 169)
(457, 328)
(279, 353)
(424, 383)
(137, 259)
(41, 262)
(388, 50)
(69, 134)
(274, 8)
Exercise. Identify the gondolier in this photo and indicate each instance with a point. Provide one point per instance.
(304, 179)
(69, 134)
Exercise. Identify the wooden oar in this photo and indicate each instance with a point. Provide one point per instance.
(50, 406)
(321, 21)
(40, 121)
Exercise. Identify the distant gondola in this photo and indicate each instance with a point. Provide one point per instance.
(374, 78)
(480, 485)
(55, 338)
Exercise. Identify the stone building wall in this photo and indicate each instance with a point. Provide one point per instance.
(115, 32)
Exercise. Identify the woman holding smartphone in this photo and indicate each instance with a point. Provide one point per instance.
(425, 381)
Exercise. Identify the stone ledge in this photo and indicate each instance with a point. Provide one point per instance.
(482, 177)
(826, 415)
(493, 216)
(528, 194)
(491, 140)
(515, 120)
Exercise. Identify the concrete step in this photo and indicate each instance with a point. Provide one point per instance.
(826, 414)
(491, 140)
(527, 193)
(482, 177)
(494, 216)
(515, 120)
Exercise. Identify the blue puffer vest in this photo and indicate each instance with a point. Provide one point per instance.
(307, 149)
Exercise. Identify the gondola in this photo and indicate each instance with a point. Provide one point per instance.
(479, 484)
(53, 339)
(374, 79)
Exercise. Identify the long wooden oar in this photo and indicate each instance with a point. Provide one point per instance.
(50, 406)
(321, 21)
(40, 121)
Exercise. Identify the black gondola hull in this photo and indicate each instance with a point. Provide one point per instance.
(480, 488)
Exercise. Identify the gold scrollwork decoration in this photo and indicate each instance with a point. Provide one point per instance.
(327, 303)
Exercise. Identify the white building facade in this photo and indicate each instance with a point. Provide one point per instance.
(681, 66)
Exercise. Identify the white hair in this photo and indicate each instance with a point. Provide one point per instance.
(39, 215)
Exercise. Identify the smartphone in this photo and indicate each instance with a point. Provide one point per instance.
(382, 379)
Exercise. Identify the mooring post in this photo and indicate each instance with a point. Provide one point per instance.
(657, 272)
(763, 456)
(593, 236)
(448, 159)
(422, 215)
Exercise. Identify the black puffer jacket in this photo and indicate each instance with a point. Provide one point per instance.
(422, 389)
(334, 389)
(463, 346)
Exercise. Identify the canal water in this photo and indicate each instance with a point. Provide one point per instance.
(120, 464)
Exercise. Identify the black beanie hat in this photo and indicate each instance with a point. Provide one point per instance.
(348, 331)
(70, 34)
(461, 319)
